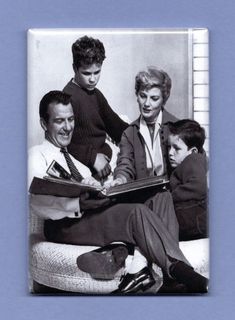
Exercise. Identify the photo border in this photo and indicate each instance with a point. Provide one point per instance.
(16, 19)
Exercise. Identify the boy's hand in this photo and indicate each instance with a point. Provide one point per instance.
(102, 165)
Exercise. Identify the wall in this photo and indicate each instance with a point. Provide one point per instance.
(50, 68)
(200, 80)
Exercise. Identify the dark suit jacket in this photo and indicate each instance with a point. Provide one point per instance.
(188, 183)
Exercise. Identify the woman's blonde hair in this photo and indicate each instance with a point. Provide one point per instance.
(153, 77)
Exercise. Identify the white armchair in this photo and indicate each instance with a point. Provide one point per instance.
(54, 265)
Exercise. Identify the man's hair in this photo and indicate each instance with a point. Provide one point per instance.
(87, 50)
(55, 97)
(153, 77)
(190, 132)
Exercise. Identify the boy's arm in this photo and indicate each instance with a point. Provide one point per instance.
(89, 156)
(113, 123)
(193, 182)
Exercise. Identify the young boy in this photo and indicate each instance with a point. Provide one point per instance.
(94, 118)
(188, 180)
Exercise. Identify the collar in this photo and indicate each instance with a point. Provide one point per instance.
(89, 92)
(73, 81)
(141, 120)
(48, 145)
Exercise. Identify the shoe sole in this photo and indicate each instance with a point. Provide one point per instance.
(143, 286)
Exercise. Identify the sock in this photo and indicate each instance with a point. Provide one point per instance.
(138, 262)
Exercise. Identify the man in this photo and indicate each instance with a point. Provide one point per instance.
(57, 120)
(97, 221)
(94, 118)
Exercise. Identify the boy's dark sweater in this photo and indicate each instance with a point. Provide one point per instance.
(93, 119)
(189, 191)
(188, 182)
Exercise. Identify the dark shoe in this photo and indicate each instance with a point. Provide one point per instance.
(185, 274)
(103, 263)
(131, 283)
(172, 287)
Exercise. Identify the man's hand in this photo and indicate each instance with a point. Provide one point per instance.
(102, 165)
(87, 203)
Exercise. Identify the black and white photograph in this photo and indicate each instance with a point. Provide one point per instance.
(118, 161)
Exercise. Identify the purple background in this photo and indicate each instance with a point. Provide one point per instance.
(18, 16)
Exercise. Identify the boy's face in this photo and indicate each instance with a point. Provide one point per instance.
(177, 150)
(150, 103)
(88, 76)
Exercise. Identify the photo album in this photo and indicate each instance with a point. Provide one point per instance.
(118, 161)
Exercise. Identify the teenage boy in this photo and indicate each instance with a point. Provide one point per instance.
(94, 118)
(188, 181)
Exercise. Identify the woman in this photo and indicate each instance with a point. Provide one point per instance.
(143, 147)
(143, 153)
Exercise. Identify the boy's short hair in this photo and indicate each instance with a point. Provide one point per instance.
(87, 50)
(54, 96)
(190, 132)
(153, 77)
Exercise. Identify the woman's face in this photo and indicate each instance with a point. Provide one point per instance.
(150, 103)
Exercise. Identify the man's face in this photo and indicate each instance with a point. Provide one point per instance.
(88, 76)
(59, 128)
(178, 150)
(150, 103)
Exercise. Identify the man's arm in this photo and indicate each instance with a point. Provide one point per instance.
(52, 207)
(47, 207)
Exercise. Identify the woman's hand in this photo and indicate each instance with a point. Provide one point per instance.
(119, 180)
(91, 182)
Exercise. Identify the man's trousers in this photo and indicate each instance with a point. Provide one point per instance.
(154, 231)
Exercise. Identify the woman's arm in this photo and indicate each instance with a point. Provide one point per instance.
(125, 161)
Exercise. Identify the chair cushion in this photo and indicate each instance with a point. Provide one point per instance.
(197, 253)
(54, 265)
